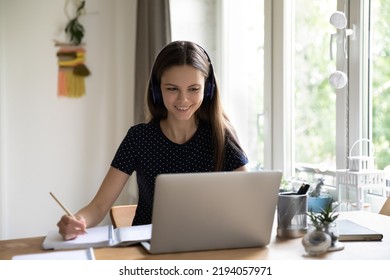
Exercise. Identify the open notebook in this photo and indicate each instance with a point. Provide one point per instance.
(102, 236)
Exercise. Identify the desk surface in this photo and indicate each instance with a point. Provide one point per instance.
(278, 249)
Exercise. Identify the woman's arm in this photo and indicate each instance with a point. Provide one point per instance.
(96, 210)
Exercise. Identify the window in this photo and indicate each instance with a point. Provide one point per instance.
(358, 111)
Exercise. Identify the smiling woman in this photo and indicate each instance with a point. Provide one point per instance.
(199, 70)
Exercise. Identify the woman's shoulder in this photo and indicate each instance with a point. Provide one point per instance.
(142, 129)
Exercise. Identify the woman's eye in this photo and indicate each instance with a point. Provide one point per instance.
(194, 89)
(171, 89)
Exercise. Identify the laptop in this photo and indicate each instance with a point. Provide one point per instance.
(350, 231)
(211, 211)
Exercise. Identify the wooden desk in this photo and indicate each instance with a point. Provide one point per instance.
(278, 249)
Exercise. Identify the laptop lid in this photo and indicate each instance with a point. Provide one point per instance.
(350, 231)
(215, 210)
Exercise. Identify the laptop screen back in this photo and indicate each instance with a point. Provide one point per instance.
(220, 210)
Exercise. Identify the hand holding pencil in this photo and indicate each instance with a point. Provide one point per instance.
(70, 226)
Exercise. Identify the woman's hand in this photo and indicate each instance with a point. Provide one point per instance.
(70, 227)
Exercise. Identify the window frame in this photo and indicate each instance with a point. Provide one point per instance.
(278, 86)
(358, 65)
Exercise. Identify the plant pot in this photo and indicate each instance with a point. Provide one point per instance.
(319, 203)
(316, 242)
(321, 240)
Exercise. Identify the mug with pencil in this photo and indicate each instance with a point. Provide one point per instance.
(292, 213)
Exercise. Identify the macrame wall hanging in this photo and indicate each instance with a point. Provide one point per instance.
(71, 56)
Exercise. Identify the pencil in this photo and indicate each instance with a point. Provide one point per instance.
(65, 209)
(62, 205)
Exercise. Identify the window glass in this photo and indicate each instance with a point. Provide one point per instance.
(380, 80)
(314, 99)
(243, 73)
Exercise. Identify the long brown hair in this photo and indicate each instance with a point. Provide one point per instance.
(188, 53)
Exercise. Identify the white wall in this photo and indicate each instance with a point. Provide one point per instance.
(57, 144)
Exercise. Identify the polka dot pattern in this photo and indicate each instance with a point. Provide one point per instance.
(146, 150)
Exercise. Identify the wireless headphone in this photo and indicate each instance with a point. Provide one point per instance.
(209, 86)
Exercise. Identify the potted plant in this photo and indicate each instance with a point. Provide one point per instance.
(318, 199)
(323, 235)
(323, 219)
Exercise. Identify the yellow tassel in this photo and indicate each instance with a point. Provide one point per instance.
(72, 72)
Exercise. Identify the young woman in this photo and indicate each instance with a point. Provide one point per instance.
(187, 131)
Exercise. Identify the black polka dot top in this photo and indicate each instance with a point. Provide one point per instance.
(146, 150)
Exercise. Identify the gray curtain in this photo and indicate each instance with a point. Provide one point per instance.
(153, 33)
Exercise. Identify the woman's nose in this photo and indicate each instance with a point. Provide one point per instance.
(182, 96)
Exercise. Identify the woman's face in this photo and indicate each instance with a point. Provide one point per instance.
(182, 90)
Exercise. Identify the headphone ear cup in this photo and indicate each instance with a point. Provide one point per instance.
(208, 89)
(209, 86)
(156, 92)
